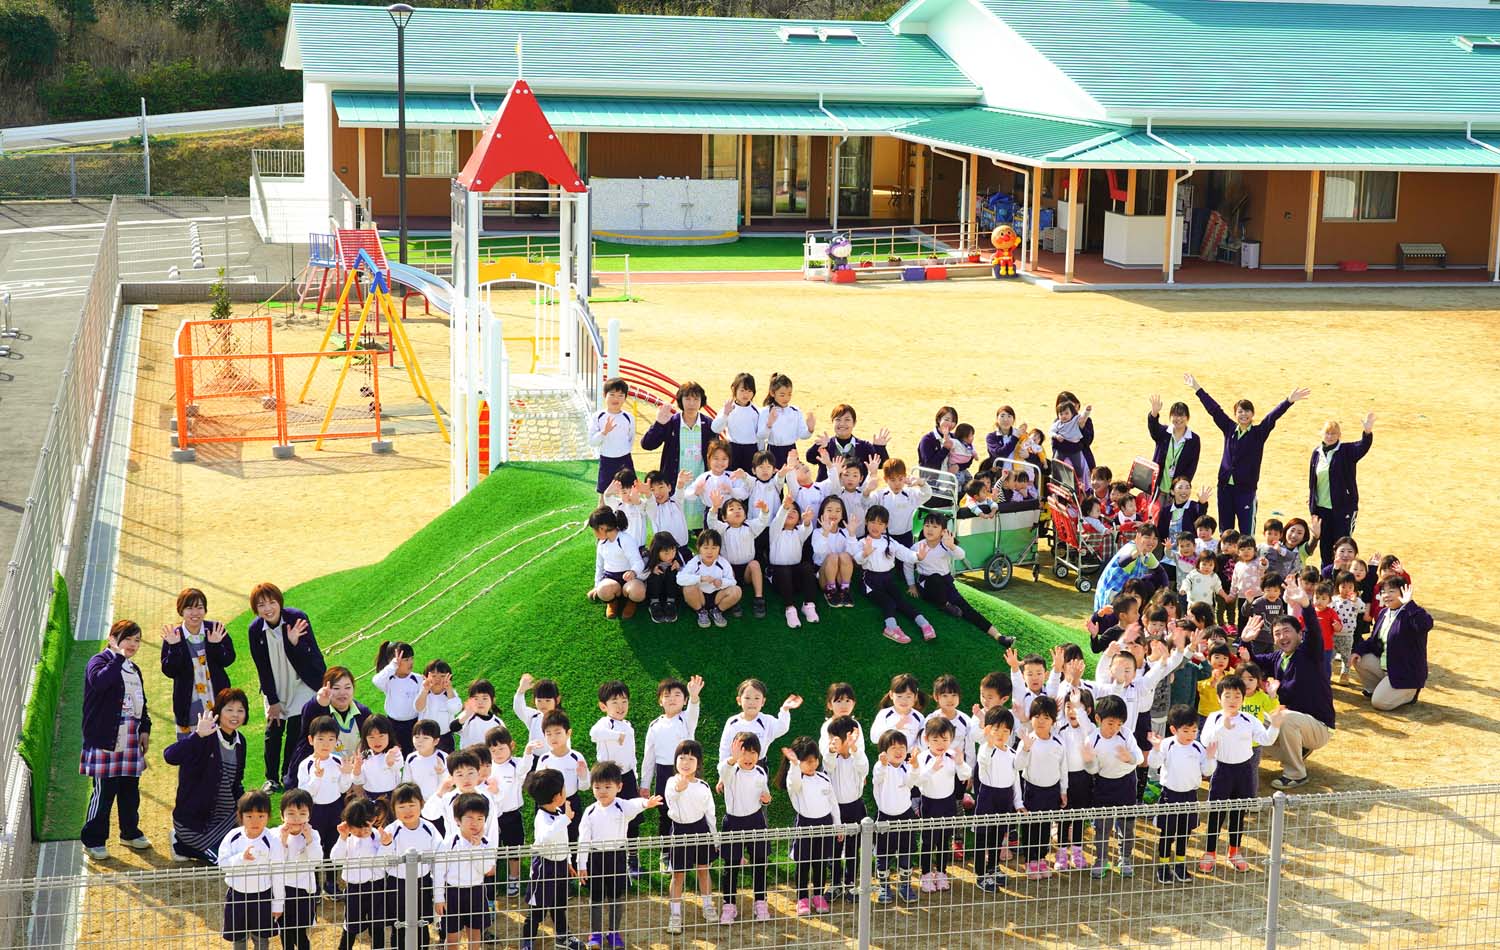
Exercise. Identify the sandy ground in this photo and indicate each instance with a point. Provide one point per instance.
(1417, 358)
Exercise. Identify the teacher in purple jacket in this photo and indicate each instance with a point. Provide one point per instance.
(1401, 629)
(683, 433)
(290, 668)
(116, 735)
(1332, 489)
(1302, 686)
(1244, 448)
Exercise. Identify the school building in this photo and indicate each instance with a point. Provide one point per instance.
(1313, 137)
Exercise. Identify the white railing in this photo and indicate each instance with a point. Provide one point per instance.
(891, 244)
(279, 162)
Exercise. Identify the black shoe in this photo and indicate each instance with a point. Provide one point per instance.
(758, 607)
(1180, 870)
(831, 596)
(846, 597)
(1164, 874)
(736, 611)
(669, 611)
(1005, 642)
(654, 609)
(272, 787)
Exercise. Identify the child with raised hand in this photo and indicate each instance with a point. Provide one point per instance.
(1028, 683)
(254, 895)
(506, 787)
(716, 476)
(426, 764)
(438, 702)
(894, 779)
(301, 851)
(367, 895)
(409, 832)
(618, 567)
(1077, 731)
(761, 489)
(848, 766)
(1233, 734)
(936, 552)
(551, 867)
(783, 425)
(900, 496)
(1112, 758)
(811, 792)
(326, 778)
(1277, 555)
(555, 752)
(901, 710)
(690, 802)
(664, 509)
(678, 721)
(1067, 432)
(195, 655)
(792, 574)
(878, 554)
(614, 742)
(547, 696)
(379, 766)
(626, 496)
(750, 696)
(612, 433)
(998, 783)
(833, 553)
(707, 582)
(1183, 763)
(477, 716)
(602, 863)
(1044, 783)
(740, 422)
(746, 793)
(738, 531)
(401, 685)
(939, 769)
(1066, 677)
(663, 561)
(462, 881)
(847, 481)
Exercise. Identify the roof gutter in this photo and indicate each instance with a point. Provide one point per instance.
(833, 215)
(1025, 173)
(1469, 134)
(964, 238)
(475, 103)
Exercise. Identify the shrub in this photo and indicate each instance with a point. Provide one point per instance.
(28, 41)
(86, 92)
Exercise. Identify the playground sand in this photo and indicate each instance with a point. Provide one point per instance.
(897, 352)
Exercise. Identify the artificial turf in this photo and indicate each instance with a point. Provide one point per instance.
(495, 586)
(748, 253)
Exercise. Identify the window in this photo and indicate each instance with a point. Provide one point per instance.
(1360, 196)
(837, 34)
(721, 154)
(430, 153)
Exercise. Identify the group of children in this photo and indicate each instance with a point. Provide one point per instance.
(450, 810)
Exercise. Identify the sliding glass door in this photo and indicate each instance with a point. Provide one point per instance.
(779, 174)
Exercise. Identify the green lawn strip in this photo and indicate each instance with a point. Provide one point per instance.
(749, 253)
(67, 797)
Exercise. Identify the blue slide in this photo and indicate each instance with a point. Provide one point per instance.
(439, 292)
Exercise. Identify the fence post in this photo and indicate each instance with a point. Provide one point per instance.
(1273, 866)
(73, 177)
(866, 875)
(411, 920)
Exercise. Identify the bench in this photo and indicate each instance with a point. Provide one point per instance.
(1421, 253)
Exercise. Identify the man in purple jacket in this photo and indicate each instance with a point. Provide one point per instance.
(1244, 448)
(1303, 688)
(1401, 630)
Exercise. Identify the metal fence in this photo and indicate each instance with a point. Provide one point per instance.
(1380, 869)
(75, 174)
(49, 532)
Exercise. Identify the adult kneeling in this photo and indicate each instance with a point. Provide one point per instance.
(210, 764)
(1401, 630)
(1304, 690)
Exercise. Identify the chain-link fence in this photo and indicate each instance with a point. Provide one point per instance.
(74, 174)
(49, 534)
(1380, 869)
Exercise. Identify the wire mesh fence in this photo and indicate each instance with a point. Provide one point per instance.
(1382, 869)
(74, 174)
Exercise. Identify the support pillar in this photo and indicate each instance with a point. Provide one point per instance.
(1313, 206)
(1130, 177)
(1034, 220)
(1494, 257)
(918, 186)
(971, 240)
(745, 178)
(1170, 230)
(362, 190)
(1075, 216)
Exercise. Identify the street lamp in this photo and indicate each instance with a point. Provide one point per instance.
(401, 14)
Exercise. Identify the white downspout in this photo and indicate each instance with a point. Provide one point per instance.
(1025, 202)
(833, 214)
(475, 103)
(1172, 212)
(1469, 135)
(964, 239)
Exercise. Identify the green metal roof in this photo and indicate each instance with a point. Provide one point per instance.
(593, 114)
(575, 53)
(1014, 135)
(1295, 148)
(1256, 61)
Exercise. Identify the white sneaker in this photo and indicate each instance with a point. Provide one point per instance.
(810, 612)
(100, 853)
(139, 843)
(791, 618)
(710, 913)
(674, 923)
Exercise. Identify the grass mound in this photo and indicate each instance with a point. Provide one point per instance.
(495, 586)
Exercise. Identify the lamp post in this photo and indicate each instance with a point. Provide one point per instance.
(401, 14)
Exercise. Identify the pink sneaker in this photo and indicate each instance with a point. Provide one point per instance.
(729, 914)
(804, 908)
(1237, 860)
(929, 883)
(942, 881)
(820, 904)
(1079, 861)
(896, 634)
(762, 910)
(810, 612)
(791, 618)
(1035, 870)
(928, 633)
(1207, 862)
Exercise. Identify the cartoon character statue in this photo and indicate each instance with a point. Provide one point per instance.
(1006, 240)
(839, 249)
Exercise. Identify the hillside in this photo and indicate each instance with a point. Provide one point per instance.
(496, 585)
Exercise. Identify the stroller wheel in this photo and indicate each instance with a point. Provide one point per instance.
(998, 571)
(1084, 584)
(1060, 570)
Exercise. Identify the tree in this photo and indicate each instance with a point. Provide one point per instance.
(76, 14)
(219, 294)
(28, 41)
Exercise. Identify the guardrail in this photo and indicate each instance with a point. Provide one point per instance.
(95, 131)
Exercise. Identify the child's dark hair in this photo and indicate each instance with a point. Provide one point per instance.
(1324, 589)
(254, 800)
(752, 683)
(498, 735)
(712, 536)
(322, 726)
(1071, 652)
(1246, 542)
(1272, 579)
(544, 785)
(1246, 670)
(1272, 524)
(375, 723)
(606, 517)
(1233, 683)
(1157, 614)
(1033, 659)
(1088, 506)
(626, 477)
(437, 666)
(1110, 707)
(1209, 558)
(946, 684)
(1310, 574)
(470, 803)
(428, 728)
(480, 752)
(936, 518)
(609, 690)
(894, 737)
(716, 447)
(937, 727)
(1180, 716)
(1207, 522)
(963, 432)
(739, 503)
(392, 650)
(669, 684)
(804, 748)
(749, 742)
(295, 798)
(556, 719)
(1220, 649)
(1086, 700)
(904, 683)
(661, 543)
(689, 747)
(842, 727)
(836, 692)
(763, 457)
(973, 489)
(1202, 613)
(607, 772)
(997, 681)
(359, 813)
(655, 477)
(482, 687)
(999, 716)
(405, 793)
(877, 513)
(1185, 536)
(617, 385)
(547, 688)
(463, 759)
(742, 381)
(1044, 706)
